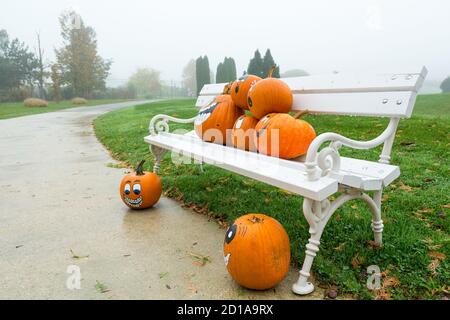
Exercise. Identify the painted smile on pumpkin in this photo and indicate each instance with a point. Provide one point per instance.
(135, 203)
(204, 114)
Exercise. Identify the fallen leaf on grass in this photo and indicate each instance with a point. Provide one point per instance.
(383, 293)
(447, 206)
(408, 143)
(434, 264)
(100, 287)
(372, 244)
(437, 255)
(357, 261)
(340, 247)
(404, 187)
(75, 256)
(199, 260)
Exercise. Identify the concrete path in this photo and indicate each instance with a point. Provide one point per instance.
(60, 207)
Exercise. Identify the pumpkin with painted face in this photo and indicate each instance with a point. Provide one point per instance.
(257, 251)
(243, 133)
(240, 87)
(140, 189)
(215, 121)
(282, 135)
(269, 95)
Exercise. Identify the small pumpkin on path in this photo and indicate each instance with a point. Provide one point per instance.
(140, 189)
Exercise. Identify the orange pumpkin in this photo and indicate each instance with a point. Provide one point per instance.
(243, 133)
(269, 95)
(256, 251)
(240, 87)
(291, 138)
(215, 121)
(140, 189)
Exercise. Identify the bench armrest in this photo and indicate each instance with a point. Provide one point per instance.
(327, 160)
(159, 123)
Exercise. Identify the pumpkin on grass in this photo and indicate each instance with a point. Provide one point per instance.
(257, 252)
(283, 135)
(269, 95)
(140, 189)
(240, 87)
(215, 121)
(243, 133)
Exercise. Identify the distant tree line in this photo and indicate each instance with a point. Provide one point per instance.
(226, 71)
(78, 70)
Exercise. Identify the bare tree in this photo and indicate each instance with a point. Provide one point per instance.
(41, 74)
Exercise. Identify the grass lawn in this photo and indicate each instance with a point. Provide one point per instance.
(415, 207)
(17, 109)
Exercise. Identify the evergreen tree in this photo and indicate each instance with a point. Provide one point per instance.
(255, 66)
(445, 85)
(202, 72)
(226, 71)
(268, 63)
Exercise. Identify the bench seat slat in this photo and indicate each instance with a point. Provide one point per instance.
(286, 174)
(362, 174)
(249, 164)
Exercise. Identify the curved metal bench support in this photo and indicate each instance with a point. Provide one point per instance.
(159, 124)
(318, 213)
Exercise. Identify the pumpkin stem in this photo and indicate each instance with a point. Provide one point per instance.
(140, 168)
(255, 219)
(299, 114)
(271, 71)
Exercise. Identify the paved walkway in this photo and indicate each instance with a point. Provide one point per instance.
(58, 193)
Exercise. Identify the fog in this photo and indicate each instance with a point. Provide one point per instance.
(317, 36)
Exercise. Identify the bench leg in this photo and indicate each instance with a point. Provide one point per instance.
(158, 153)
(317, 213)
(377, 222)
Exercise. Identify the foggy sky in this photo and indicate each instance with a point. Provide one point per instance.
(318, 36)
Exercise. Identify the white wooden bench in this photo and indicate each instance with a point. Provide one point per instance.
(322, 172)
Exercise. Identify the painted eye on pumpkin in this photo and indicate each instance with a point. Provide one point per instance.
(231, 232)
(137, 189)
(127, 189)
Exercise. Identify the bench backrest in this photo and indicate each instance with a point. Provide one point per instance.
(387, 95)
